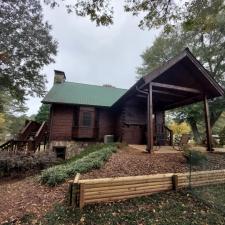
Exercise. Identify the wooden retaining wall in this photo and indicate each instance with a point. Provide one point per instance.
(82, 192)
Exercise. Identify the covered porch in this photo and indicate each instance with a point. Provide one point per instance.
(179, 82)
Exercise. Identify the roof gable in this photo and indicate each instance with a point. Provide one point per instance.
(190, 64)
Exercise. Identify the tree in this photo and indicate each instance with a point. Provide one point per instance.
(12, 116)
(208, 44)
(179, 128)
(26, 46)
(43, 113)
(153, 13)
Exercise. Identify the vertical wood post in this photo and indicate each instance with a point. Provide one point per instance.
(207, 124)
(175, 182)
(150, 120)
(74, 191)
(70, 192)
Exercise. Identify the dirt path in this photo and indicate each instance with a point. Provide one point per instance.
(26, 196)
(133, 162)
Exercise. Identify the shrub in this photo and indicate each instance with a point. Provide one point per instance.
(195, 157)
(94, 160)
(222, 136)
(19, 164)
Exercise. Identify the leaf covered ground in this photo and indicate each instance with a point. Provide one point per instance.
(27, 196)
(28, 200)
(168, 208)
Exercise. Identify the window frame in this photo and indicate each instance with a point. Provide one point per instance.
(89, 118)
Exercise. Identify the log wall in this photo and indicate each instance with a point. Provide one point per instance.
(61, 122)
(120, 188)
(132, 121)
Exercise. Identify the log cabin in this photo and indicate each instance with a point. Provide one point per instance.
(86, 113)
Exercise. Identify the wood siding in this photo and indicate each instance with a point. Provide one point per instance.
(106, 123)
(61, 122)
(132, 121)
(127, 125)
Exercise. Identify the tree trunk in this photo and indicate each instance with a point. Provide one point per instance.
(214, 117)
(195, 131)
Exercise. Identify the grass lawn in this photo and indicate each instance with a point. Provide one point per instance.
(168, 208)
(214, 195)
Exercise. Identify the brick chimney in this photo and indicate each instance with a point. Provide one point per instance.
(59, 77)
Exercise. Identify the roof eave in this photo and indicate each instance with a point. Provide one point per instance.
(74, 104)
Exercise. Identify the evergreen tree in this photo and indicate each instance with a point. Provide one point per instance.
(43, 113)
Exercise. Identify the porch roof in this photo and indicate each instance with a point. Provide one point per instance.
(181, 81)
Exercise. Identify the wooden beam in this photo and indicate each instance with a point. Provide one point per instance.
(150, 120)
(207, 125)
(144, 93)
(186, 101)
(167, 93)
(175, 87)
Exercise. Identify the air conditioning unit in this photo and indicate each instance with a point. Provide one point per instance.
(108, 139)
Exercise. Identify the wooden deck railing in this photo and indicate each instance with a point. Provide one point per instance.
(82, 192)
(41, 134)
(25, 133)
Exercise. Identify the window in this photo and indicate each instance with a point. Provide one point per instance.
(87, 119)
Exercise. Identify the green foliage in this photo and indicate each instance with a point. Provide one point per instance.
(222, 136)
(88, 149)
(152, 14)
(153, 57)
(93, 160)
(195, 157)
(43, 113)
(28, 46)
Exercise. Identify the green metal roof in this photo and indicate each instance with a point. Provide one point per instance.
(83, 94)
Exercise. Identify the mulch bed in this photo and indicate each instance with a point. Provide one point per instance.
(27, 196)
(215, 161)
(132, 162)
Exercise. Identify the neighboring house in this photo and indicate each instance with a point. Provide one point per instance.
(83, 112)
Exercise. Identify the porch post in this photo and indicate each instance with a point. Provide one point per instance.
(207, 125)
(150, 121)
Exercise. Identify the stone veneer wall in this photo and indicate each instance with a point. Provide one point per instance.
(72, 147)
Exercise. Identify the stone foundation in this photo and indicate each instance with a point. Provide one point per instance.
(72, 147)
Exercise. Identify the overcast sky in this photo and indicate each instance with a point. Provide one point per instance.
(95, 55)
